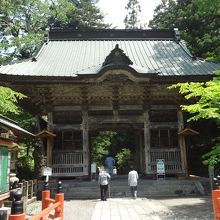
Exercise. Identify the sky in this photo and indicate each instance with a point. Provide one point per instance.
(115, 12)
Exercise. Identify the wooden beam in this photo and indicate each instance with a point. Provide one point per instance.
(67, 108)
(163, 107)
(67, 127)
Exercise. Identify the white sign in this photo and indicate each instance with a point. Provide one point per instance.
(47, 171)
(93, 168)
(160, 166)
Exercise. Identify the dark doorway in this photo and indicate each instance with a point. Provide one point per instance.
(121, 144)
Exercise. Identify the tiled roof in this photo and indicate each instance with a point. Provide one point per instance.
(13, 125)
(84, 54)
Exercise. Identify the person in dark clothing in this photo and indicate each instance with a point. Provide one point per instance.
(109, 164)
(103, 181)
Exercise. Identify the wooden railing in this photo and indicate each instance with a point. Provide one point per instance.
(51, 208)
(172, 158)
(67, 163)
(29, 188)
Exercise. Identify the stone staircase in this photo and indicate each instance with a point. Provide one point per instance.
(82, 189)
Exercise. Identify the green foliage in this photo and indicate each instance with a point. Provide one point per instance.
(204, 101)
(24, 22)
(132, 20)
(8, 107)
(212, 158)
(112, 143)
(100, 146)
(197, 20)
(25, 163)
(87, 15)
(123, 156)
(8, 101)
(205, 98)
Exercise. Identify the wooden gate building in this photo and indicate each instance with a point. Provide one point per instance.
(89, 80)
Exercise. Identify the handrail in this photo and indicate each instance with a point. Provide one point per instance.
(45, 211)
(48, 205)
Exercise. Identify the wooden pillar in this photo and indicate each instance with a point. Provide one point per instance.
(49, 151)
(182, 142)
(49, 139)
(85, 142)
(50, 121)
(147, 142)
(141, 151)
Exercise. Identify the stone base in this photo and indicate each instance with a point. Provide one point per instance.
(4, 213)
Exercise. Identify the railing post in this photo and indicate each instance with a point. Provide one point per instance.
(31, 188)
(59, 197)
(45, 196)
(216, 197)
(17, 212)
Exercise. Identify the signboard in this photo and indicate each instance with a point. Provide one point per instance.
(93, 168)
(3, 169)
(160, 167)
(47, 171)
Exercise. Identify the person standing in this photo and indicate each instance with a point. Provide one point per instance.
(133, 182)
(109, 163)
(103, 181)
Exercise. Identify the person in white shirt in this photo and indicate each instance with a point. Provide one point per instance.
(133, 182)
(103, 181)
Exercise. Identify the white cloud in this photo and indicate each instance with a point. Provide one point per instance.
(115, 12)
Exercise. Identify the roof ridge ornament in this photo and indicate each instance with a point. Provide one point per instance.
(117, 57)
(177, 35)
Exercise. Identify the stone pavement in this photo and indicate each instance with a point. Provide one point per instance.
(153, 209)
(173, 208)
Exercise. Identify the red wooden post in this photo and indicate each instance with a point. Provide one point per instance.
(45, 196)
(17, 217)
(59, 197)
(59, 211)
(216, 204)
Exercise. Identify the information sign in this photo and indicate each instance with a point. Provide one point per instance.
(47, 171)
(160, 166)
(93, 168)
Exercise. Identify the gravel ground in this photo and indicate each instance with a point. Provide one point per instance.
(81, 209)
(185, 208)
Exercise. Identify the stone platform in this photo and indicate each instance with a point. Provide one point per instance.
(89, 189)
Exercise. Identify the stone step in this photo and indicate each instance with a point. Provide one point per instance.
(76, 189)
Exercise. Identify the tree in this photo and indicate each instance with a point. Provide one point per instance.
(87, 15)
(198, 22)
(101, 145)
(205, 104)
(9, 100)
(24, 22)
(132, 20)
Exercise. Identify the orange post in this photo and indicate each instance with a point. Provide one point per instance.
(216, 204)
(59, 211)
(45, 198)
(17, 217)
